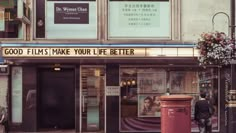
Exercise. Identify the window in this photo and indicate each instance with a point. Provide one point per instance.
(139, 19)
(141, 88)
(16, 95)
(66, 19)
(10, 25)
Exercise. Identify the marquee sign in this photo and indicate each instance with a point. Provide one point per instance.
(96, 52)
(71, 52)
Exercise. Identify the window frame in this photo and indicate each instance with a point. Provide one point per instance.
(21, 25)
(174, 27)
(81, 40)
(166, 67)
(102, 28)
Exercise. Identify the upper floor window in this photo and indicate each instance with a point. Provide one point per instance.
(10, 25)
(66, 19)
(104, 20)
(139, 19)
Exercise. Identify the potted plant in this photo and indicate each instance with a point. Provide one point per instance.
(215, 48)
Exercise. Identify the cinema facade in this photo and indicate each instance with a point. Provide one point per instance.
(77, 73)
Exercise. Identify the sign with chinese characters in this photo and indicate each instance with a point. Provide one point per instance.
(112, 90)
(149, 19)
(2, 21)
(71, 13)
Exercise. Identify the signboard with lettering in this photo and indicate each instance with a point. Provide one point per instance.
(96, 52)
(112, 90)
(72, 52)
(71, 13)
(71, 19)
(142, 18)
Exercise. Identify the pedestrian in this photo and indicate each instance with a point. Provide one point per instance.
(3, 119)
(203, 114)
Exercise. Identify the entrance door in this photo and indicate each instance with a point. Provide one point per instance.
(56, 99)
(92, 99)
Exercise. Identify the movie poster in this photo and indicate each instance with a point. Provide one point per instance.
(152, 82)
(149, 105)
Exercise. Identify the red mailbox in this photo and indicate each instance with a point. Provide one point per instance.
(176, 114)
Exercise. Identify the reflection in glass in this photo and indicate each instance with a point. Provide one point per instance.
(139, 111)
(92, 106)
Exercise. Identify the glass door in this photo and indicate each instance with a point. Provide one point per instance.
(92, 98)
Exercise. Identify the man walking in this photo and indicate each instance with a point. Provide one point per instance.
(203, 113)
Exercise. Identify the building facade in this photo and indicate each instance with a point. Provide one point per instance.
(90, 65)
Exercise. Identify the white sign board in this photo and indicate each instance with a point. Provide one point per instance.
(112, 90)
(147, 19)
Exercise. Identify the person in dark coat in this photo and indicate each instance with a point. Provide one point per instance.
(203, 114)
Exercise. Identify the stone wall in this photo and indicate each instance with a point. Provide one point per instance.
(3, 90)
(196, 17)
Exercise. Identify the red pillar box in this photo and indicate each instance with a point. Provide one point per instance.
(176, 114)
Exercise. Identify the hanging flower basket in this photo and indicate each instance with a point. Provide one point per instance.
(215, 48)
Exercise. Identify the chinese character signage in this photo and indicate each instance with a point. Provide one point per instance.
(71, 13)
(148, 19)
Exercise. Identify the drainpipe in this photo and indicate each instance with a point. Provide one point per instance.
(231, 122)
(232, 16)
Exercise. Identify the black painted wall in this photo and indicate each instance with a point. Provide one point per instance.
(112, 102)
(29, 99)
(231, 110)
(77, 98)
(40, 18)
(222, 101)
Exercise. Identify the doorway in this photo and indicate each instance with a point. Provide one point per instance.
(92, 99)
(56, 98)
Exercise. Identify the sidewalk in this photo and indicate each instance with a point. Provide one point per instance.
(51, 131)
(59, 131)
(56, 131)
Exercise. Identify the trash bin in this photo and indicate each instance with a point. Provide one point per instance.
(176, 114)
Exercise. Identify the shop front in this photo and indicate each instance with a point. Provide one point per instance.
(108, 90)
